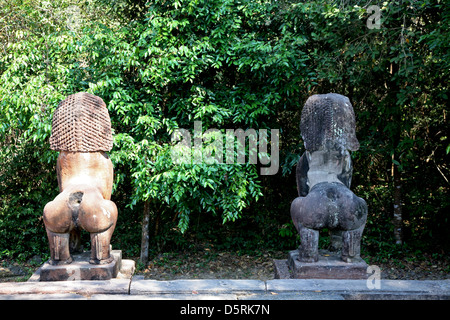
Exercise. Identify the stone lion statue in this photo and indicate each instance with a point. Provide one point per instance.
(324, 175)
(81, 132)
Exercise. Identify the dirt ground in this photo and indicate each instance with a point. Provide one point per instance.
(208, 264)
(211, 265)
(229, 265)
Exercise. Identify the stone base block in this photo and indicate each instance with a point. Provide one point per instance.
(81, 269)
(329, 266)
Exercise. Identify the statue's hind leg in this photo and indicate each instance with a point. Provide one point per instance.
(309, 238)
(351, 244)
(309, 245)
(59, 248)
(100, 247)
(355, 221)
(58, 224)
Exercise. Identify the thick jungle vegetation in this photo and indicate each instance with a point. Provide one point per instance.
(161, 65)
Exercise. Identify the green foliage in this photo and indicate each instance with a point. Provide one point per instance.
(162, 65)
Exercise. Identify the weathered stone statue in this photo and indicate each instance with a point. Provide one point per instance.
(81, 131)
(324, 175)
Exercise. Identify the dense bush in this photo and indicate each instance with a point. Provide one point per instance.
(161, 65)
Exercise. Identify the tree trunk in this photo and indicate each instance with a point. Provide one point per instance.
(398, 217)
(396, 113)
(145, 237)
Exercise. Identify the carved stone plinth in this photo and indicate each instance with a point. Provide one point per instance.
(81, 269)
(329, 266)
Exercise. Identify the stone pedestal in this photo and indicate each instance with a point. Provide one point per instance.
(81, 269)
(329, 266)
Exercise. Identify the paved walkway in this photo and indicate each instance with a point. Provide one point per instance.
(278, 289)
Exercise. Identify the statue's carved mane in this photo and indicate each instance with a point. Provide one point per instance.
(81, 123)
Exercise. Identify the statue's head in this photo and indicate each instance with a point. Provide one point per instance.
(328, 123)
(81, 123)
